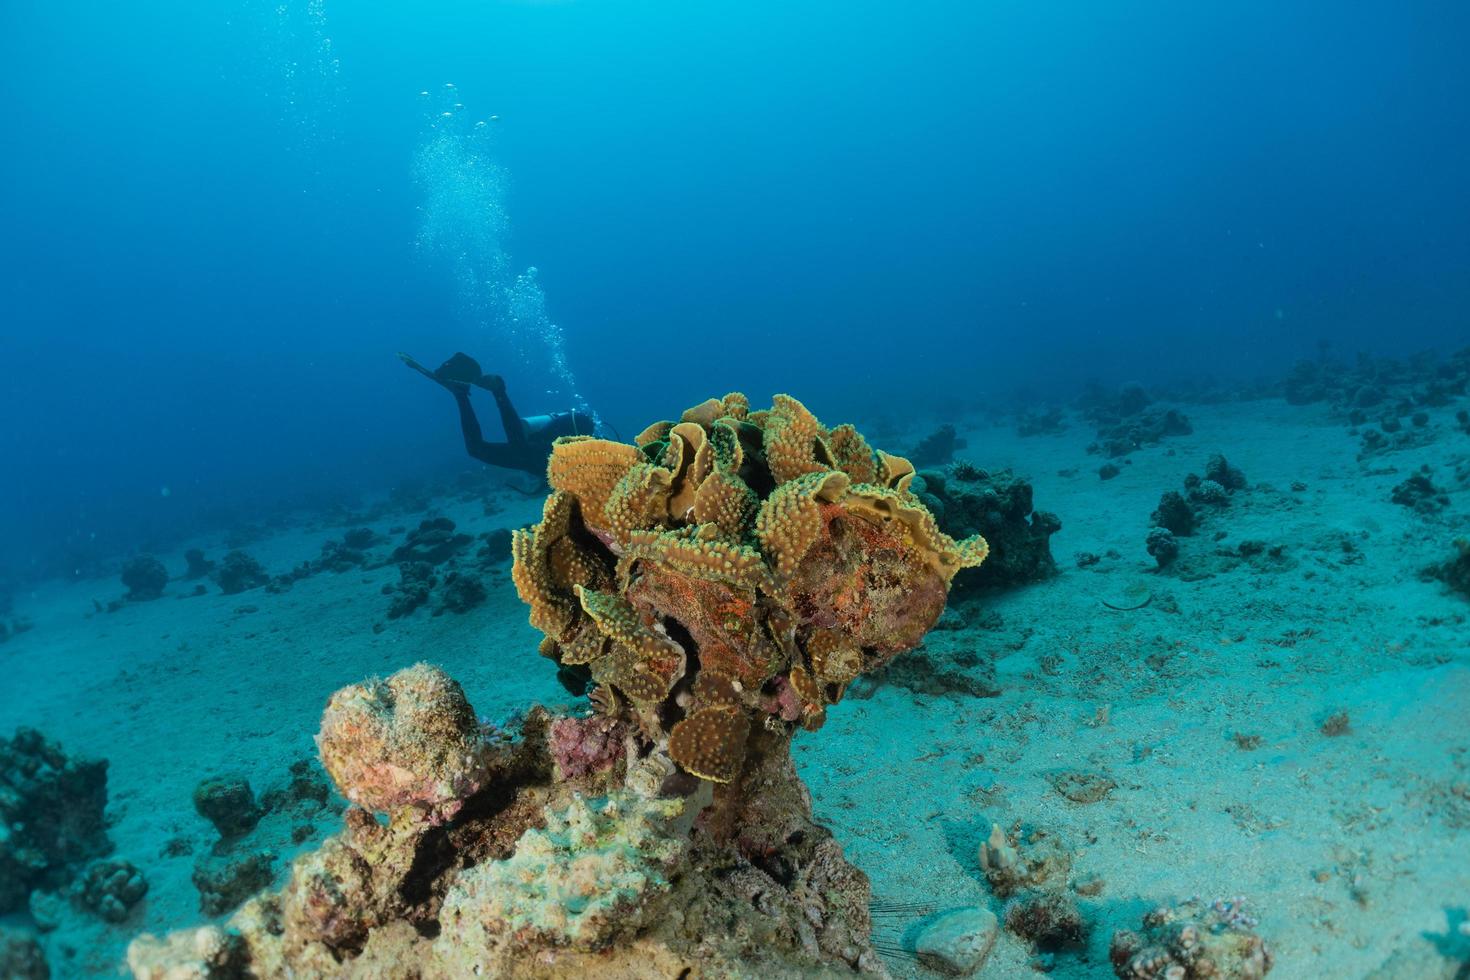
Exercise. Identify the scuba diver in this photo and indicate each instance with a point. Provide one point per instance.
(527, 440)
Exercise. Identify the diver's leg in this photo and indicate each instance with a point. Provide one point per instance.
(469, 427)
(510, 419)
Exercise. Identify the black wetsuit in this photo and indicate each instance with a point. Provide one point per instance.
(527, 441)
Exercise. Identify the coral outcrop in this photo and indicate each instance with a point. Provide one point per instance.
(1127, 420)
(1455, 570)
(238, 572)
(21, 957)
(996, 505)
(51, 815)
(228, 803)
(145, 578)
(721, 582)
(1193, 941)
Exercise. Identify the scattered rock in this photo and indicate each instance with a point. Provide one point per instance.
(229, 804)
(1419, 493)
(1082, 787)
(1221, 472)
(967, 500)
(1455, 571)
(1025, 859)
(1050, 920)
(461, 593)
(958, 942)
(434, 541)
(1174, 514)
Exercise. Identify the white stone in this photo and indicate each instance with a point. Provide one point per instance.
(959, 941)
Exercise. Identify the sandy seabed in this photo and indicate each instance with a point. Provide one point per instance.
(1205, 708)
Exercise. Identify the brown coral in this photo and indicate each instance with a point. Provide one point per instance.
(760, 548)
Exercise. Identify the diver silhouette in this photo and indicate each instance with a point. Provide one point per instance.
(527, 440)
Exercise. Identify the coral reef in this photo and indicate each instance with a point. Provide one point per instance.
(206, 953)
(51, 815)
(238, 572)
(1192, 941)
(733, 571)
(723, 582)
(997, 505)
(145, 578)
(586, 745)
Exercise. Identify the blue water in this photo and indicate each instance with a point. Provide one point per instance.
(219, 225)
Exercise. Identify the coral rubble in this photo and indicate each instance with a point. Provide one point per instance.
(1193, 941)
(722, 582)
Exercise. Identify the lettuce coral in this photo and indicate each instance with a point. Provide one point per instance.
(730, 561)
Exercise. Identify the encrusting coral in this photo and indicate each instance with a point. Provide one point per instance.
(411, 742)
(720, 583)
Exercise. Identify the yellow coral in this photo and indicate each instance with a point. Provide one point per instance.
(700, 552)
(920, 530)
(710, 743)
(695, 460)
(894, 472)
(589, 469)
(852, 454)
(746, 548)
(790, 520)
(724, 500)
(639, 499)
(793, 440)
